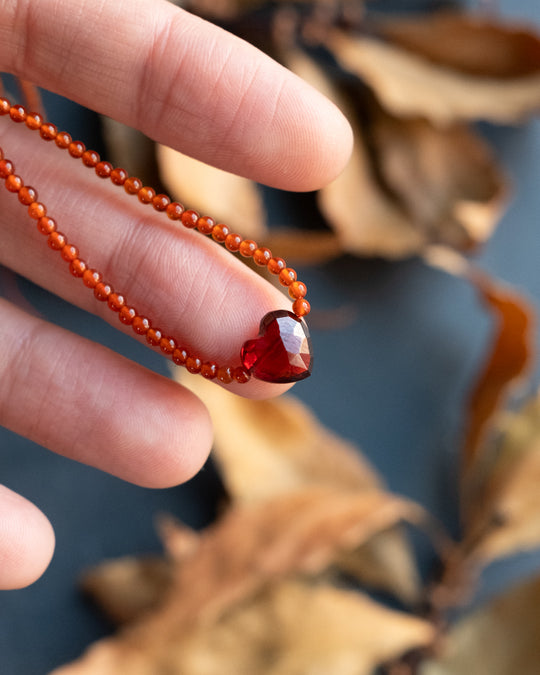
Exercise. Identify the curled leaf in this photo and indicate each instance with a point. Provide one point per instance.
(254, 467)
(408, 184)
(498, 639)
(292, 627)
(496, 77)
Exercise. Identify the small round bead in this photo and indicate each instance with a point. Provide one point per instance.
(5, 106)
(62, 140)
(205, 225)
(27, 195)
(126, 315)
(220, 232)
(132, 185)
(37, 210)
(232, 242)
(48, 131)
(160, 202)
(76, 149)
(225, 375)
(301, 307)
(46, 225)
(90, 158)
(104, 169)
(287, 276)
(193, 364)
(174, 211)
(57, 241)
(146, 194)
(167, 345)
(141, 325)
(116, 302)
(247, 248)
(14, 183)
(102, 291)
(153, 336)
(275, 265)
(262, 256)
(17, 113)
(77, 267)
(69, 253)
(209, 370)
(34, 121)
(119, 176)
(6, 168)
(297, 290)
(91, 278)
(241, 375)
(180, 356)
(190, 218)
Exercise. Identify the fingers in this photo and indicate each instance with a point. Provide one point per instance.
(183, 81)
(92, 405)
(26, 541)
(187, 285)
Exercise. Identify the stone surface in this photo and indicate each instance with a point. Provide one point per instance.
(282, 351)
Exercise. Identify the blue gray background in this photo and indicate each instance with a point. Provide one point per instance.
(393, 379)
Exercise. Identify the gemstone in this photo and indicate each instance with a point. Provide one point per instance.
(282, 351)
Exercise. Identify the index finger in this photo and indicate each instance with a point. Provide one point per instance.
(181, 80)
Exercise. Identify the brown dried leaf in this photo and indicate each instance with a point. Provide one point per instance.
(288, 629)
(501, 638)
(254, 467)
(127, 588)
(297, 628)
(261, 543)
(509, 360)
(407, 184)
(385, 562)
(249, 549)
(468, 43)
(506, 519)
(304, 247)
(224, 196)
(424, 77)
(366, 222)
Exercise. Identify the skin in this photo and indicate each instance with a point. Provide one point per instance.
(200, 90)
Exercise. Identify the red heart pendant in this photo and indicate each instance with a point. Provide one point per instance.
(282, 352)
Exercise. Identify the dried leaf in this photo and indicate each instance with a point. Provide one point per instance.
(423, 77)
(506, 519)
(254, 467)
(407, 184)
(288, 629)
(214, 192)
(366, 222)
(509, 359)
(501, 638)
(475, 44)
(296, 628)
(126, 588)
(250, 548)
(507, 362)
(304, 247)
(385, 562)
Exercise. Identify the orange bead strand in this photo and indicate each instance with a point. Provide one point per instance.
(189, 218)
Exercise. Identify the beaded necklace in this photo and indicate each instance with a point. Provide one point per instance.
(282, 350)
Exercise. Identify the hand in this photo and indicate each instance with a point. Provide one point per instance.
(196, 88)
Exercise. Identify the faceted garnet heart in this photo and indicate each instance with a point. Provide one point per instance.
(282, 352)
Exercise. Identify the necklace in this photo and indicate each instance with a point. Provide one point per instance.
(282, 350)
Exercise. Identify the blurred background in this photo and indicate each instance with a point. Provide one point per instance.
(398, 346)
